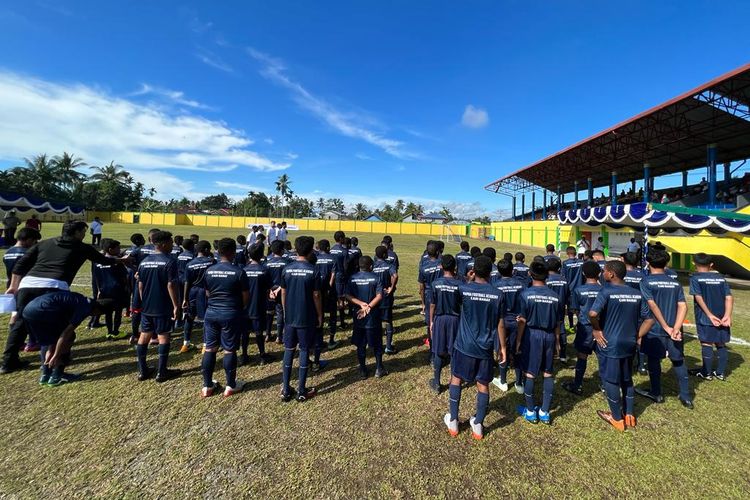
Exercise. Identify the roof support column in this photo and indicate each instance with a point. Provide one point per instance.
(684, 183)
(559, 199)
(514, 209)
(711, 175)
(544, 204)
(727, 176)
(646, 182)
(533, 205)
(575, 195)
(523, 206)
(632, 186)
(613, 190)
(591, 191)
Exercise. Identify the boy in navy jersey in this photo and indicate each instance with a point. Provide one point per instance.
(462, 260)
(429, 271)
(550, 255)
(581, 301)
(354, 251)
(521, 270)
(365, 292)
(326, 264)
(479, 324)
(511, 289)
(240, 257)
(445, 309)
(136, 257)
(289, 253)
(303, 313)
(194, 294)
(713, 316)
(615, 317)
(475, 252)
(556, 282)
(571, 271)
(276, 264)
(157, 285)
(633, 277)
(187, 254)
(26, 238)
(177, 248)
(666, 300)
(538, 339)
(392, 256)
(340, 255)
(228, 297)
(112, 283)
(388, 276)
(259, 283)
(491, 253)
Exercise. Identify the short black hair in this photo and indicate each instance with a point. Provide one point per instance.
(449, 263)
(702, 259)
(381, 252)
(255, 252)
(441, 245)
(203, 247)
(195, 238)
(387, 239)
(483, 267)
(178, 240)
(304, 245)
(550, 248)
(630, 258)
(658, 259)
(153, 230)
(505, 268)
(188, 245)
(365, 262)
(227, 247)
(338, 236)
(508, 256)
(355, 241)
(137, 239)
(71, 227)
(28, 233)
(432, 249)
(538, 258)
(589, 254)
(110, 244)
(242, 240)
(539, 271)
(554, 265)
(617, 268)
(465, 246)
(324, 245)
(597, 251)
(288, 245)
(475, 252)
(520, 256)
(571, 250)
(591, 269)
(490, 252)
(161, 237)
(104, 242)
(277, 247)
(632, 240)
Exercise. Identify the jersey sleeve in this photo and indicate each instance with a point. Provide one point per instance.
(282, 279)
(727, 290)
(171, 269)
(421, 276)
(574, 301)
(25, 263)
(433, 296)
(378, 288)
(316, 279)
(680, 295)
(599, 303)
(694, 286)
(646, 291)
(523, 306)
(645, 311)
(244, 282)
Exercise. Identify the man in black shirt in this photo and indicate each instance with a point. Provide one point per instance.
(48, 266)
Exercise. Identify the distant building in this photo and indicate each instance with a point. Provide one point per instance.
(331, 215)
(411, 218)
(431, 218)
(373, 218)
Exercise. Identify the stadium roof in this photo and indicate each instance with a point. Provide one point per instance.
(671, 137)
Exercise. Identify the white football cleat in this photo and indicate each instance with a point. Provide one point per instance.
(452, 425)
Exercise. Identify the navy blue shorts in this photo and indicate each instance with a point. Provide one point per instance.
(616, 370)
(368, 336)
(471, 369)
(714, 334)
(197, 302)
(37, 321)
(304, 337)
(584, 341)
(511, 333)
(662, 347)
(444, 330)
(257, 325)
(541, 351)
(159, 325)
(340, 285)
(222, 329)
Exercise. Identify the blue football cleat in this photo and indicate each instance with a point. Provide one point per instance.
(544, 417)
(529, 415)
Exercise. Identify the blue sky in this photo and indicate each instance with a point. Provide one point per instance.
(367, 101)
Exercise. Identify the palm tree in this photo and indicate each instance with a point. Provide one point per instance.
(282, 187)
(321, 204)
(41, 176)
(360, 211)
(111, 173)
(66, 166)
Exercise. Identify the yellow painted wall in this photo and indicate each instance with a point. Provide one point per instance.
(529, 233)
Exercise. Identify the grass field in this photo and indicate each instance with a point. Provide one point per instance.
(108, 435)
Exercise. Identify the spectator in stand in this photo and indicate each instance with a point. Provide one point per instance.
(665, 198)
(10, 224)
(34, 223)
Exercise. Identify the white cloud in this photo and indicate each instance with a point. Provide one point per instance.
(40, 116)
(268, 141)
(238, 185)
(347, 124)
(291, 156)
(363, 156)
(475, 117)
(209, 58)
(176, 96)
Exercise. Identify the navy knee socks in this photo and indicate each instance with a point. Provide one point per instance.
(287, 369)
(681, 372)
(303, 360)
(140, 352)
(580, 371)
(614, 399)
(163, 357)
(707, 353)
(528, 392)
(207, 368)
(454, 395)
(549, 385)
(654, 375)
(230, 368)
(483, 401)
(723, 354)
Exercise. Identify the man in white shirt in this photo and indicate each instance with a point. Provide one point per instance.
(96, 231)
(633, 246)
(599, 244)
(282, 231)
(581, 246)
(252, 237)
(273, 233)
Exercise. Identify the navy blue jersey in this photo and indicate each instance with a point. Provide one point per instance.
(258, 284)
(140, 253)
(557, 284)
(196, 269)
(300, 280)
(571, 271)
(494, 274)
(521, 273)
(668, 271)
(128, 251)
(176, 251)
(550, 257)
(429, 271)
(385, 271)
(111, 279)
(155, 273)
(182, 261)
(666, 293)
(462, 261)
(446, 296)
(290, 255)
(224, 283)
(621, 310)
(340, 254)
(10, 258)
(326, 265)
(392, 258)
(481, 310)
(240, 259)
(714, 289)
(355, 253)
(511, 289)
(365, 287)
(540, 307)
(61, 308)
(633, 278)
(602, 264)
(582, 299)
(276, 265)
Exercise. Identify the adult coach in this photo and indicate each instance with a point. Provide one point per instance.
(10, 224)
(49, 266)
(96, 231)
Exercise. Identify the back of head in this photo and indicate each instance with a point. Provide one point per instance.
(304, 245)
(255, 252)
(440, 246)
(598, 255)
(188, 245)
(227, 247)
(588, 254)
(339, 236)
(538, 271)
(347, 242)
(591, 270)
(465, 246)
(630, 258)
(288, 245)
(179, 240)
(432, 249)
(355, 241)
(195, 238)
(277, 247)
(137, 239)
(617, 268)
(28, 234)
(490, 252)
(241, 240)
(204, 248)
(520, 256)
(508, 256)
(161, 238)
(110, 244)
(365, 263)
(71, 227)
(387, 239)
(483, 267)
(657, 259)
(505, 268)
(324, 245)
(550, 248)
(538, 258)
(702, 259)
(381, 252)
(554, 265)
(449, 263)
(475, 252)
